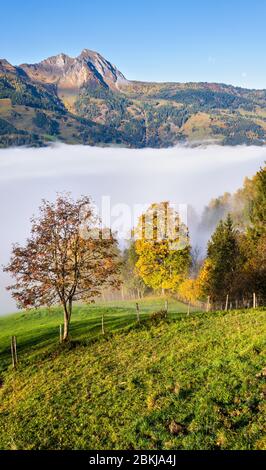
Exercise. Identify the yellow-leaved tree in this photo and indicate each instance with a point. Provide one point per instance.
(204, 280)
(162, 246)
(189, 291)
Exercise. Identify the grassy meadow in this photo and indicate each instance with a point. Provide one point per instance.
(37, 331)
(188, 382)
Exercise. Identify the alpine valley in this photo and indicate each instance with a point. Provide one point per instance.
(87, 100)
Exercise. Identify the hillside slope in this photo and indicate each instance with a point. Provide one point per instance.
(89, 101)
(192, 383)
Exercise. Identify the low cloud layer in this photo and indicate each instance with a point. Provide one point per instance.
(180, 174)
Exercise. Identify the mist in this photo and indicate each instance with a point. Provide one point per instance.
(181, 175)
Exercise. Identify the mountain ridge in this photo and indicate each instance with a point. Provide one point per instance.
(86, 99)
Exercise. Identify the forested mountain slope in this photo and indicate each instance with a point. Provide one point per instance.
(88, 100)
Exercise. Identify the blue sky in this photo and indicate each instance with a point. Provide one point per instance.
(154, 40)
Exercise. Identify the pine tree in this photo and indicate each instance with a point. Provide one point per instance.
(258, 206)
(223, 254)
(255, 243)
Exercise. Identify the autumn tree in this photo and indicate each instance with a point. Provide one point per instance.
(162, 245)
(67, 258)
(251, 274)
(188, 291)
(205, 279)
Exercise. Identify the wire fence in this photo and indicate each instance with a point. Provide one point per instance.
(229, 303)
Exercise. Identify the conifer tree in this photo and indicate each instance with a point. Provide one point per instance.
(223, 254)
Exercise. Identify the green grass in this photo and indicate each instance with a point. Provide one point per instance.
(204, 372)
(37, 331)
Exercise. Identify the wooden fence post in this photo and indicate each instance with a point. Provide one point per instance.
(208, 304)
(254, 300)
(14, 354)
(15, 349)
(166, 306)
(103, 324)
(137, 311)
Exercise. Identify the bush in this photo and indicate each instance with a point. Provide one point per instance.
(158, 316)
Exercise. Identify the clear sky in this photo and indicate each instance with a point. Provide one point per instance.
(154, 40)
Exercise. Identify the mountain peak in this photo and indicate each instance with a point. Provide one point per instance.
(61, 60)
(72, 73)
(6, 67)
(88, 53)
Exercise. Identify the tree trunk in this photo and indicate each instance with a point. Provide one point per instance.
(67, 317)
(66, 328)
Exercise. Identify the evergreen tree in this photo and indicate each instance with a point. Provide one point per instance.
(255, 245)
(236, 261)
(258, 205)
(223, 254)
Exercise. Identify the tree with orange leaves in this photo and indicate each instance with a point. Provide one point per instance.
(67, 258)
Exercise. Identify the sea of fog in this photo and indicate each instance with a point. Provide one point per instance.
(127, 178)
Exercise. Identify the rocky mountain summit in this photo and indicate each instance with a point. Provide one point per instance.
(70, 73)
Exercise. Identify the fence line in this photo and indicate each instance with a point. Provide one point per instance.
(228, 303)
